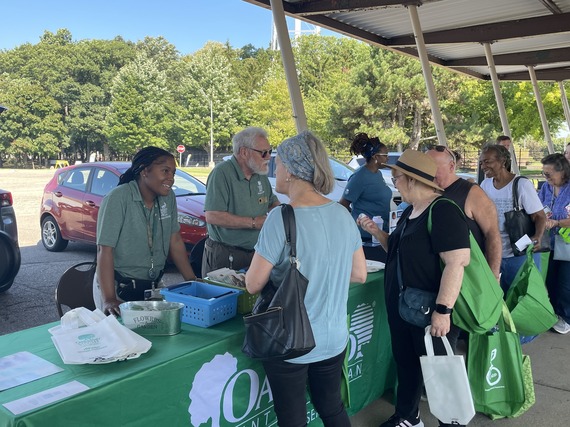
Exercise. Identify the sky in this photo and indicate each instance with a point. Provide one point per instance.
(187, 24)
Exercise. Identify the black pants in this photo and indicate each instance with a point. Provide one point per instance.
(217, 255)
(288, 383)
(407, 347)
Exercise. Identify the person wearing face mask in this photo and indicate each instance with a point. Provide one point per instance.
(555, 194)
(137, 228)
(238, 198)
(366, 191)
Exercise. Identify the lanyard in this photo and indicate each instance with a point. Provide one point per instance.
(152, 274)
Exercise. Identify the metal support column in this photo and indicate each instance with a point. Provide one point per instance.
(564, 103)
(541, 111)
(289, 64)
(500, 104)
(426, 68)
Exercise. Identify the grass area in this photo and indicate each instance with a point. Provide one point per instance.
(198, 172)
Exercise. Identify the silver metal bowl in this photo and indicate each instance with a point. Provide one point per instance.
(152, 317)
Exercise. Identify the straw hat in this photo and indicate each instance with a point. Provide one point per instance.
(417, 165)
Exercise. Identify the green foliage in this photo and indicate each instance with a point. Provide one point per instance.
(72, 98)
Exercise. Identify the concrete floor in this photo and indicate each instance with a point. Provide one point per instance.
(550, 358)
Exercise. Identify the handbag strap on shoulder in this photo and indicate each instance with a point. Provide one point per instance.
(516, 205)
(288, 215)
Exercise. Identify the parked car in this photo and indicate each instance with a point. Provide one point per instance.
(72, 198)
(9, 250)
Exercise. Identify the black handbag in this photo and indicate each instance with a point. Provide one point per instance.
(278, 327)
(414, 305)
(518, 223)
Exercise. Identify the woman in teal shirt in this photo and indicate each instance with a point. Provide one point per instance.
(366, 191)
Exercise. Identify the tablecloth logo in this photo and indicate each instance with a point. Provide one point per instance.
(218, 383)
(360, 333)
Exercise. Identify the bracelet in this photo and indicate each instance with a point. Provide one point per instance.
(252, 222)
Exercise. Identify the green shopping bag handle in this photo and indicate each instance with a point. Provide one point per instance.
(506, 320)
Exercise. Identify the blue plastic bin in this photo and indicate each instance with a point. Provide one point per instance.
(204, 304)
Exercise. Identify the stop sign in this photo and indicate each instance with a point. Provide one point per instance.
(181, 149)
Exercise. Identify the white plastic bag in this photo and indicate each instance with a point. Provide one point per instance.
(447, 385)
(93, 338)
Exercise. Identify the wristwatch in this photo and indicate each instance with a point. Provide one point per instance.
(443, 309)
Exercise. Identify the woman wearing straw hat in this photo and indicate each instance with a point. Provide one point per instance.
(419, 254)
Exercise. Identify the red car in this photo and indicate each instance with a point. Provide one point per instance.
(71, 201)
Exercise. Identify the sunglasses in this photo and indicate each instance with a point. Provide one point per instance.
(547, 174)
(264, 153)
(443, 149)
(395, 178)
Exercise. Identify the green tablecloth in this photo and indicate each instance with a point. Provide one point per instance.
(198, 377)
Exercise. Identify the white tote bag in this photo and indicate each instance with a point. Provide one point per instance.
(447, 385)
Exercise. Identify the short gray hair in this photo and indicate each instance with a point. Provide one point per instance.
(247, 137)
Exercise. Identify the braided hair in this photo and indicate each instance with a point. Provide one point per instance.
(365, 146)
(143, 159)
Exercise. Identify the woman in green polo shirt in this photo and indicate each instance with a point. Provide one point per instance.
(137, 228)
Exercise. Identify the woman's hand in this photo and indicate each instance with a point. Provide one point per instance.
(370, 227)
(111, 306)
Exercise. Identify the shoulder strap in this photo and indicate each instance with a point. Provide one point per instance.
(288, 215)
(516, 206)
(439, 200)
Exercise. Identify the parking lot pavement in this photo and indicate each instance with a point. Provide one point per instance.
(30, 302)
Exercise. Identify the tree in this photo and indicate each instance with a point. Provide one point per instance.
(207, 80)
(32, 125)
(138, 115)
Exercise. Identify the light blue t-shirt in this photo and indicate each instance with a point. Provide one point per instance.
(369, 194)
(327, 238)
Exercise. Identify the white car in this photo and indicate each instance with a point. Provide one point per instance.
(340, 170)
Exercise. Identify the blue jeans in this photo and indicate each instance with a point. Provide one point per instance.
(288, 383)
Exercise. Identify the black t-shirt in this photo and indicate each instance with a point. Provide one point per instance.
(458, 192)
(419, 250)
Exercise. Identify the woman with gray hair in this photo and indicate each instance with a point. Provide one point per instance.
(329, 250)
(555, 194)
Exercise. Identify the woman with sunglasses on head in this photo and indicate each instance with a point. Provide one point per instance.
(137, 228)
(555, 196)
(495, 162)
(366, 191)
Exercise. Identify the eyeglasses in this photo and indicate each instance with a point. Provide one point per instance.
(443, 149)
(547, 174)
(264, 153)
(395, 178)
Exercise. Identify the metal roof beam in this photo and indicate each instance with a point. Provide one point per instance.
(323, 7)
(488, 33)
(551, 74)
(536, 57)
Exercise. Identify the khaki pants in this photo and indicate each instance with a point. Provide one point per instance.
(218, 255)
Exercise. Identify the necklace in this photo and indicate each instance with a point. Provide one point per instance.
(152, 274)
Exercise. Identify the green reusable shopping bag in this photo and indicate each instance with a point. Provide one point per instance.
(528, 301)
(479, 303)
(495, 370)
